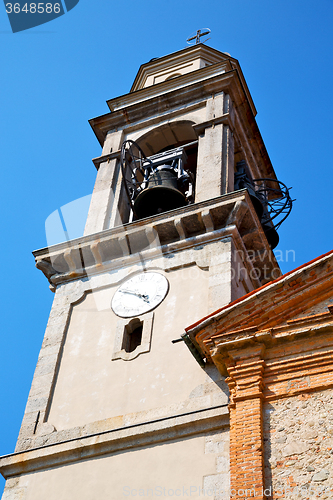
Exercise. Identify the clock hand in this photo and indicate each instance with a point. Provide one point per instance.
(144, 297)
(140, 295)
(128, 291)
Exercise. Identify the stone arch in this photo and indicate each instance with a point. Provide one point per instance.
(167, 136)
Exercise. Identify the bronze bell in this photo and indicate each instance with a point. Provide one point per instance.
(243, 181)
(269, 230)
(160, 195)
(271, 235)
(256, 202)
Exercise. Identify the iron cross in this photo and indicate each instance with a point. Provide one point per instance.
(198, 35)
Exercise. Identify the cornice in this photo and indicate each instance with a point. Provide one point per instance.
(55, 454)
(167, 101)
(164, 234)
(271, 306)
(178, 83)
(180, 56)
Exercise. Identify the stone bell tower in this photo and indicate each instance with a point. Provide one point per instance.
(116, 407)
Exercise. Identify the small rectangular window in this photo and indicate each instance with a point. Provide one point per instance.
(132, 335)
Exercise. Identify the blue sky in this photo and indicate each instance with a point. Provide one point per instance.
(57, 76)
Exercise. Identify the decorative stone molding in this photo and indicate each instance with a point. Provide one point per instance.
(183, 228)
(52, 453)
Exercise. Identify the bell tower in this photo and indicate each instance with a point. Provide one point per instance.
(121, 403)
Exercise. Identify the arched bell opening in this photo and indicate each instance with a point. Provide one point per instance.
(159, 169)
(167, 136)
(170, 136)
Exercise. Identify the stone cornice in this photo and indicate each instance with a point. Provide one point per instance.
(159, 89)
(296, 358)
(228, 215)
(272, 305)
(53, 454)
(141, 110)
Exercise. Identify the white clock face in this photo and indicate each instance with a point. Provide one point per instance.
(139, 294)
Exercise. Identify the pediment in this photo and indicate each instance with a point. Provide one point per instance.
(299, 300)
(179, 63)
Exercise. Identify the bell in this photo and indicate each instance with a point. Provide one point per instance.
(258, 206)
(243, 181)
(161, 194)
(271, 234)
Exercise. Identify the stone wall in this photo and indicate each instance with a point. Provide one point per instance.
(298, 444)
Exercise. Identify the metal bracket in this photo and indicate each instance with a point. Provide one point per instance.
(191, 347)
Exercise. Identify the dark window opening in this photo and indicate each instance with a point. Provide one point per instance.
(132, 335)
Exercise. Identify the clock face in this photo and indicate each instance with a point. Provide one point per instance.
(139, 294)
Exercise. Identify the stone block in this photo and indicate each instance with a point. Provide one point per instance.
(322, 475)
(14, 494)
(36, 404)
(217, 486)
(44, 369)
(45, 429)
(222, 464)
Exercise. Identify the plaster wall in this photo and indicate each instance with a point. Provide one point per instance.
(90, 386)
(182, 468)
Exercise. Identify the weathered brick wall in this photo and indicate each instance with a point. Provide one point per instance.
(317, 308)
(298, 446)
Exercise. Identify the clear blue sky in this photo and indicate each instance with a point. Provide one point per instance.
(57, 76)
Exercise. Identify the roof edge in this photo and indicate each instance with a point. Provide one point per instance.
(207, 320)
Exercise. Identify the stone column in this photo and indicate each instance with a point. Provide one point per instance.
(215, 165)
(103, 208)
(245, 368)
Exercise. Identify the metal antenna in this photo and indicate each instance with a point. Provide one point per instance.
(197, 36)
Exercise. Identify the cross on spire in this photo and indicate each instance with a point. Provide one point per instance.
(198, 35)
